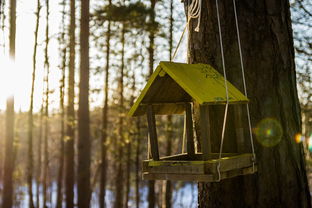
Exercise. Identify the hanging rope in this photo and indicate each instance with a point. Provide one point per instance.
(226, 91)
(193, 12)
(245, 88)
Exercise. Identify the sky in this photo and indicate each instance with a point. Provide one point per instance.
(18, 79)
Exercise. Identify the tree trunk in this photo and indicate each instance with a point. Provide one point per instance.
(137, 162)
(7, 200)
(267, 47)
(84, 141)
(2, 4)
(120, 176)
(46, 111)
(105, 120)
(128, 172)
(30, 116)
(168, 185)
(39, 159)
(63, 51)
(151, 184)
(70, 119)
(129, 144)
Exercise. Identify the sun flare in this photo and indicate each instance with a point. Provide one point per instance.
(12, 79)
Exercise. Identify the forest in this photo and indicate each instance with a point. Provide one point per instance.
(155, 103)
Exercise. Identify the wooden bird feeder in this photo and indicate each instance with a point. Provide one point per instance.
(172, 89)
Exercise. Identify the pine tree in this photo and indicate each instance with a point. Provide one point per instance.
(104, 162)
(268, 56)
(70, 118)
(84, 142)
(30, 113)
(7, 198)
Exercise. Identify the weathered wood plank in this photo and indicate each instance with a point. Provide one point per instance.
(198, 167)
(205, 131)
(196, 157)
(198, 177)
(229, 163)
(152, 132)
(189, 130)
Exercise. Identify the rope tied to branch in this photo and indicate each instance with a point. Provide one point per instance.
(193, 12)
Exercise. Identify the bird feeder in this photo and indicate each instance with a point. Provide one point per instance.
(172, 89)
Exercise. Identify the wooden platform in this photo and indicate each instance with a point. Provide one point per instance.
(182, 168)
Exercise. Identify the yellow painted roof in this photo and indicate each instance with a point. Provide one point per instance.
(173, 84)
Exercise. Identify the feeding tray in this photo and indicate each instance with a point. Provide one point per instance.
(172, 89)
(183, 168)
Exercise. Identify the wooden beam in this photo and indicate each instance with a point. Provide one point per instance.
(198, 177)
(239, 129)
(189, 130)
(205, 131)
(152, 132)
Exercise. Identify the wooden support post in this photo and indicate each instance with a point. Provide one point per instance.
(189, 130)
(239, 128)
(205, 131)
(152, 132)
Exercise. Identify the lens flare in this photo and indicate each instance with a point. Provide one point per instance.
(268, 132)
(299, 138)
(310, 143)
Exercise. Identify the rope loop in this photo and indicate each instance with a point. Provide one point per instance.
(193, 12)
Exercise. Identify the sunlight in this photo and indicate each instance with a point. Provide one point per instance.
(8, 77)
(12, 81)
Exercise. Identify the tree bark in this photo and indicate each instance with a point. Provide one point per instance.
(7, 200)
(70, 119)
(84, 141)
(267, 47)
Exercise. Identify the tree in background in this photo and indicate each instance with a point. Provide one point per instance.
(268, 52)
(63, 53)
(169, 129)
(105, 118)
(7, 198)
(30, 114)
(301, 19)
(46, 110)
(84, 140)
(120, 176)
(70, 118)
(151, 184)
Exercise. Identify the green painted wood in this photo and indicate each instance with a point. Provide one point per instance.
(174, 83)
